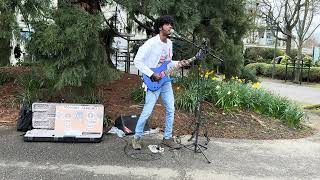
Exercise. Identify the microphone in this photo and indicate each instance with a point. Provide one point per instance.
(175, 34)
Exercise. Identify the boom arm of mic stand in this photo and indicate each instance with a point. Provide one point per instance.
(190, 42)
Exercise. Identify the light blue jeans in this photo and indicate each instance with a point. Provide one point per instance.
(166, 93)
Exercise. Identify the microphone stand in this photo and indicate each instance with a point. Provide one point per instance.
(208, 50)
(198, 148)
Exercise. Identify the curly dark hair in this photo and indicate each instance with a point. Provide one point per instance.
(162, 20)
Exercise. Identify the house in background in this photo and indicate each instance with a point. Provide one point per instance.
(130, 37)
(264, 36)
(25, 34)
(17, 45)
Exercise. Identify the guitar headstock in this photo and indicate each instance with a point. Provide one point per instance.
(200, 54)
(203, 51)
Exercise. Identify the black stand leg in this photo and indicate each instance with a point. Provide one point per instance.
(198, 148)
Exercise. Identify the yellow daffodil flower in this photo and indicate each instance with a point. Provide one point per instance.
(256, 85)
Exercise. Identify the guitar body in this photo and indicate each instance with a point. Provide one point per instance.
(153, 85)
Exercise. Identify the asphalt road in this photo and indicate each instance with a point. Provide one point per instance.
(231, 159)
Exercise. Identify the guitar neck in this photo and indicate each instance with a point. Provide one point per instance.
(169, 71)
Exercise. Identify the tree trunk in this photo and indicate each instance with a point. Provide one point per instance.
(4, 52)
(288, 42)
(297, 71)
(107, 36)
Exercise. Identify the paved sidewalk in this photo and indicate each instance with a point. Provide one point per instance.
(300, 93)
(231, 159)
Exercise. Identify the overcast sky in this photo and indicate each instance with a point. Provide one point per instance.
(315, 22)
(317, 33)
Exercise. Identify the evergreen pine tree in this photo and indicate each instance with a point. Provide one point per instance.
(69, 48)
(222, 23)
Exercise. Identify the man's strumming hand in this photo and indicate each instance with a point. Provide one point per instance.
(155, 77)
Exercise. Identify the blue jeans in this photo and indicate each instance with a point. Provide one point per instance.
(166, 93)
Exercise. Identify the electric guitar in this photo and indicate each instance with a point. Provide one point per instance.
(155, 85)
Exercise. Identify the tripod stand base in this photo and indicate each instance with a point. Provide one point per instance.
(198, 149)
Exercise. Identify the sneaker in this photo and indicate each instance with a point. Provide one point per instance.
(136, 144)
(171, 144)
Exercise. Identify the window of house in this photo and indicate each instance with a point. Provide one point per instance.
(261, 33)
(269, 35)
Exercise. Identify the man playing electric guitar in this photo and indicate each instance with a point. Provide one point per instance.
(153, 53)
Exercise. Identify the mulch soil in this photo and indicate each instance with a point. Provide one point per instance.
(242, 124)
(9, 105)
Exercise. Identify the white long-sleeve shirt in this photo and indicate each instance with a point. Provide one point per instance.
(149, 54)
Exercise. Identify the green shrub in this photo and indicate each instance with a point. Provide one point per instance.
(4, 51)
(31, 85)
(285, 59)
(294, 53)
(268, 53)
(307, 60)
(5, 77)
(10, 74)
(227, 96)
(92, 97)
(261, 55)
(233, 59)
(137, 94)
(248, 75)
(266, 70)
(105, 73)
(69, 49)
(252, 54)
(70, 55)
(292, 115)
(25, 63)
(231, 95)
(187, 82)
(187, 100)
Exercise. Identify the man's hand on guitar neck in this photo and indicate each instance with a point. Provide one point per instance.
(155, 77)
(184, 63)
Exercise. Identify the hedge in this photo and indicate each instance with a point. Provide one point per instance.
(261, 55)
(264, 69)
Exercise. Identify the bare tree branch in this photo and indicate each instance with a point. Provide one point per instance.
(312, 32)
(141, 24)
